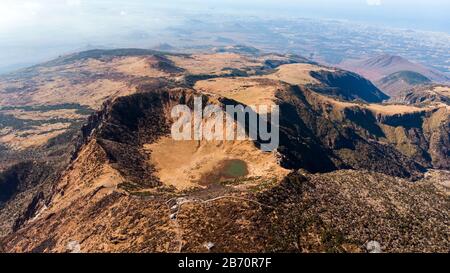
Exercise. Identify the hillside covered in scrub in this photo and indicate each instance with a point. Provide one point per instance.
(87, 162)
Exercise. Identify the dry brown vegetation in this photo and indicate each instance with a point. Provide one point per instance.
(182, 164)
(248, 91)
(213, 64)
(128, 187)
(297, 74)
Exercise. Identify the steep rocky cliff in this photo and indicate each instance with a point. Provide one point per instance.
(342, 175)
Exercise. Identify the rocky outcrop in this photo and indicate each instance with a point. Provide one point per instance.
(424, 95)
(336, 142)
(351, 167)
(24, 189)
(123, 126)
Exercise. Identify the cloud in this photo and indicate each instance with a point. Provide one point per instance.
(18, 13)
(73, 3)
(374, 2)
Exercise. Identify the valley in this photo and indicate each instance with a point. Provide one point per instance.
(87, 157)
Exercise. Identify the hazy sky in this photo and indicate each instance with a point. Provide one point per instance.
(80, 14)
(27, 26)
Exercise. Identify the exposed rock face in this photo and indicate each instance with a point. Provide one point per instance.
(122, 127)
(374, 247)
(340, 178)
(27, 187)
(348, 140)
(424, 95)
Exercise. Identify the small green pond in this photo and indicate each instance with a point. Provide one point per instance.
(234, 168)
(226, 169)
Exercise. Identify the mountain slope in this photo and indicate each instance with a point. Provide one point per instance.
(425, 95)
(119, 183)
(398, 82)
(124, 214)
(382, 66)
(349, 86)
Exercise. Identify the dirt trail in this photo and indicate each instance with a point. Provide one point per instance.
(175, 205)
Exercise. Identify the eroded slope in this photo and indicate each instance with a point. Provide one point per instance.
(123, 185)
